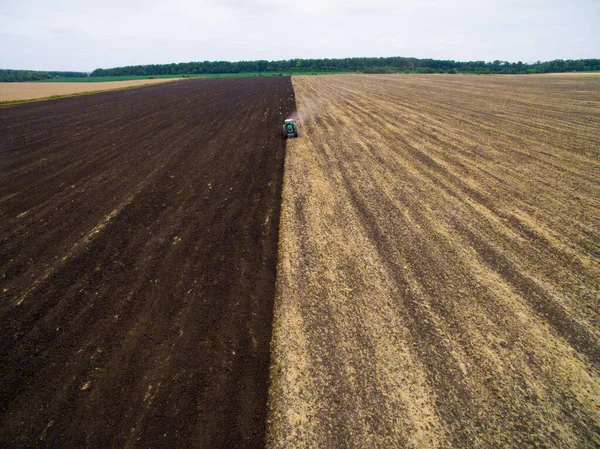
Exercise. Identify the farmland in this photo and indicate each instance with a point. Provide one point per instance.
(101, 79)
(424, 272)
(12, 92)
(439, 264)
(97, 79)
(138, 233)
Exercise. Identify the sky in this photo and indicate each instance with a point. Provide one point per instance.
(83, 35)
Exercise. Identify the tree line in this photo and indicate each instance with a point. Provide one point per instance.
(358, 65)
(9, 76)
(364, 65)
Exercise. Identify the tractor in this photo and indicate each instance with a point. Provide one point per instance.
(290, 128)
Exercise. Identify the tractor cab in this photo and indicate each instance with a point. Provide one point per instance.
(290, 128)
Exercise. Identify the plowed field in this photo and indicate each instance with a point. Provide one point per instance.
(138, 243)
(439, 269)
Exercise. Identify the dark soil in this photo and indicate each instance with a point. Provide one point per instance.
(138, 246)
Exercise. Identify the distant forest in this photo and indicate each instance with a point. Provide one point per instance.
(361, 65)
(8, 76)
(299, 66)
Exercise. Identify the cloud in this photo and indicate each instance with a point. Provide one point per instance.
(76, 35)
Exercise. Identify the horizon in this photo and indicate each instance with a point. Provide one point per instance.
(291, 59)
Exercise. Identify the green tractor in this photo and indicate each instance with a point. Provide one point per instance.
(290, 128)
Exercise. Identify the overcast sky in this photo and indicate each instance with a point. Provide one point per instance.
(83, 35)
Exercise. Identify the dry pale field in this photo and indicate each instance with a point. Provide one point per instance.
(34, 91)
(439, 268)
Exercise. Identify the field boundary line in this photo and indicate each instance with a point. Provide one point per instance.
(79, 94)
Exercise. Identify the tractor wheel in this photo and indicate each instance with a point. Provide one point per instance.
(295, 133)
